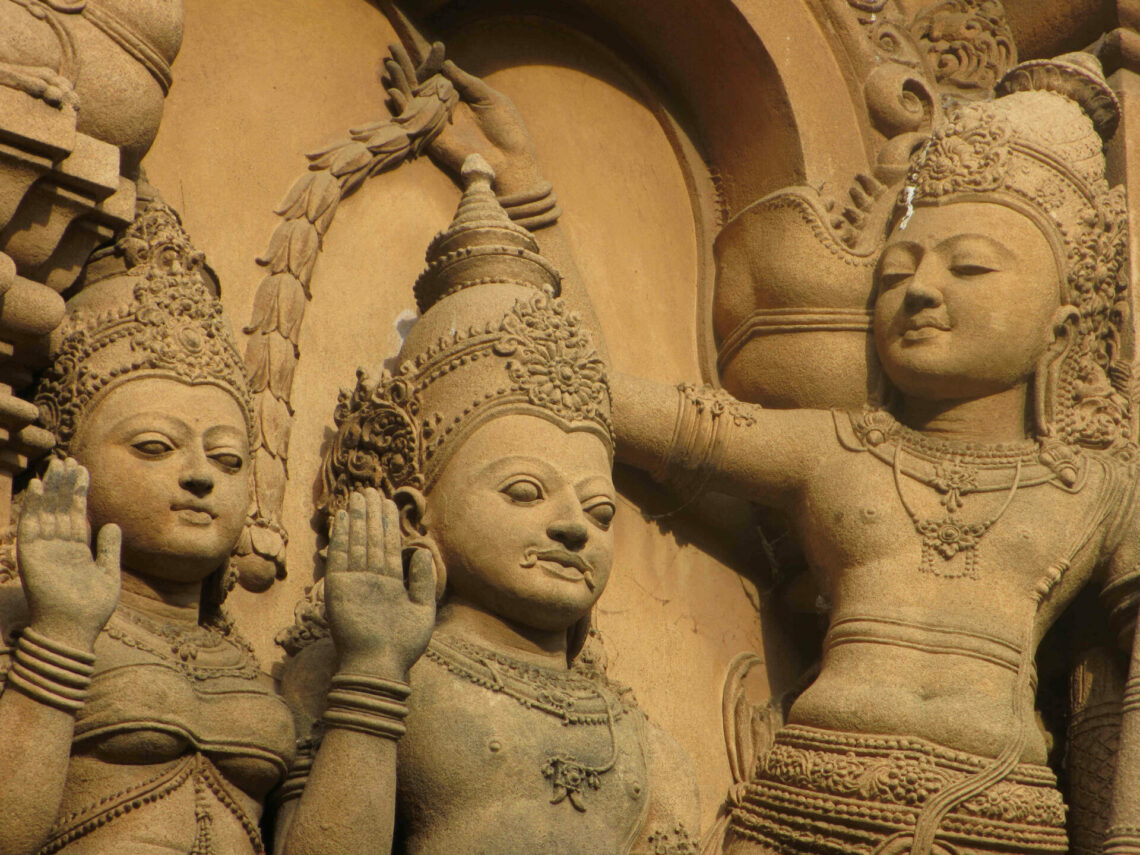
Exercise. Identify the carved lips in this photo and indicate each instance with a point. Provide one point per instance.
(193, 513)
(924, 327)
(561, 563)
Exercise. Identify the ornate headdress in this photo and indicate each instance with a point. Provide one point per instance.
(493, 338)
(158, 319)
(1037, 148)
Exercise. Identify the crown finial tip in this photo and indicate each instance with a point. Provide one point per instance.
(475, 168)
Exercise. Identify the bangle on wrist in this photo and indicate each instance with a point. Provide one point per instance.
(366, 704)
(533, 209)
(51, 673)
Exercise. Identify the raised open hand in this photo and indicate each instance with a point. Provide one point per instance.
(485, 121)
(70, 593)
(380, 625)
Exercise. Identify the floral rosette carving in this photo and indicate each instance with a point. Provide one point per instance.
(970, 154)
(554, 361)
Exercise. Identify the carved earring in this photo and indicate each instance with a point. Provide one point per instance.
(1047, 373)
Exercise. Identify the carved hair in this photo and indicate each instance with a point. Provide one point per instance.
(1037, 149)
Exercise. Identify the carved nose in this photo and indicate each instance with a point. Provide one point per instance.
(570, 533)
(922, 292)
(197, 481)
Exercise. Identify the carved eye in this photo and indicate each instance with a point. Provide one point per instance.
(152, 447)
(522, 491)
(228, 460)
(970, 270)
(603, 513)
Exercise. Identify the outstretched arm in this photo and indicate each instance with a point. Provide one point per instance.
(70, 597)
(380, 628)
(697, 438)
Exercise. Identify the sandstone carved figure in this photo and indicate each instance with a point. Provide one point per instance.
(949, 527)
(493, 438)
(133, 714)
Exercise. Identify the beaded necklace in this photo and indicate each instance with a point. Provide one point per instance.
(567, 696)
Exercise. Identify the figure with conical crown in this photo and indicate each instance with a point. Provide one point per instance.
(133, 715)
(950, 526)
(492, 445)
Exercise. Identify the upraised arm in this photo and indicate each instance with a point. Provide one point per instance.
(70, 596)
(380, 627)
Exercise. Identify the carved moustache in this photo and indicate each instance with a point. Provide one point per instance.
(560, 556)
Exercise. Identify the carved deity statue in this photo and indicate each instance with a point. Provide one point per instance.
(949, 528)
(493, 439)
(133, 716)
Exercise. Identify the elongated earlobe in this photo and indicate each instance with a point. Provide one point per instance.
(411, 504)
(1045, 376)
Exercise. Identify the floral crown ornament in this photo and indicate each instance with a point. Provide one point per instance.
(494, 339)
(1038, 149)
(158, 319)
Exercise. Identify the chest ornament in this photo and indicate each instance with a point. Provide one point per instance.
(572, 698)
(955, 471)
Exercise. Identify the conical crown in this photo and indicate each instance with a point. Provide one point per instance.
(494, 339)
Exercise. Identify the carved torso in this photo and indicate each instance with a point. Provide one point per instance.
(924, 639)
(180, 739)
(467, 739)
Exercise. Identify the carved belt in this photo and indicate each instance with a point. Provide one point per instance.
(928, 638)
(834, 793)
(195, 769)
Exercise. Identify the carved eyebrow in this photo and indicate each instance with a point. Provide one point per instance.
(225, 433)
(139, 422)
(595, 487)
(513, 461)
(988, 242)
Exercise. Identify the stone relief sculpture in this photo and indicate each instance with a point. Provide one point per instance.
(1000, 321)
(151, 722)
(493, 438)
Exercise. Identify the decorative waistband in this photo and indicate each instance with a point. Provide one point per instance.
(924, 637)
(819, 791)
(195, 769)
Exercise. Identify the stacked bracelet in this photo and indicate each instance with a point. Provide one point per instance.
(50, 672)
(533, 209)
(705, 416)
(368, 705)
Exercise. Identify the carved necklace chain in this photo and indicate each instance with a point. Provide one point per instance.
(573, 699)
(185, 645)
(951, 535)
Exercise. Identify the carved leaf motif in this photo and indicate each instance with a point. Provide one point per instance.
(296, 199)
(269, 479)
(282, 362)
(257, 362)
(291, 304)
(263, 315)
(274, 425)
(323, 199)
